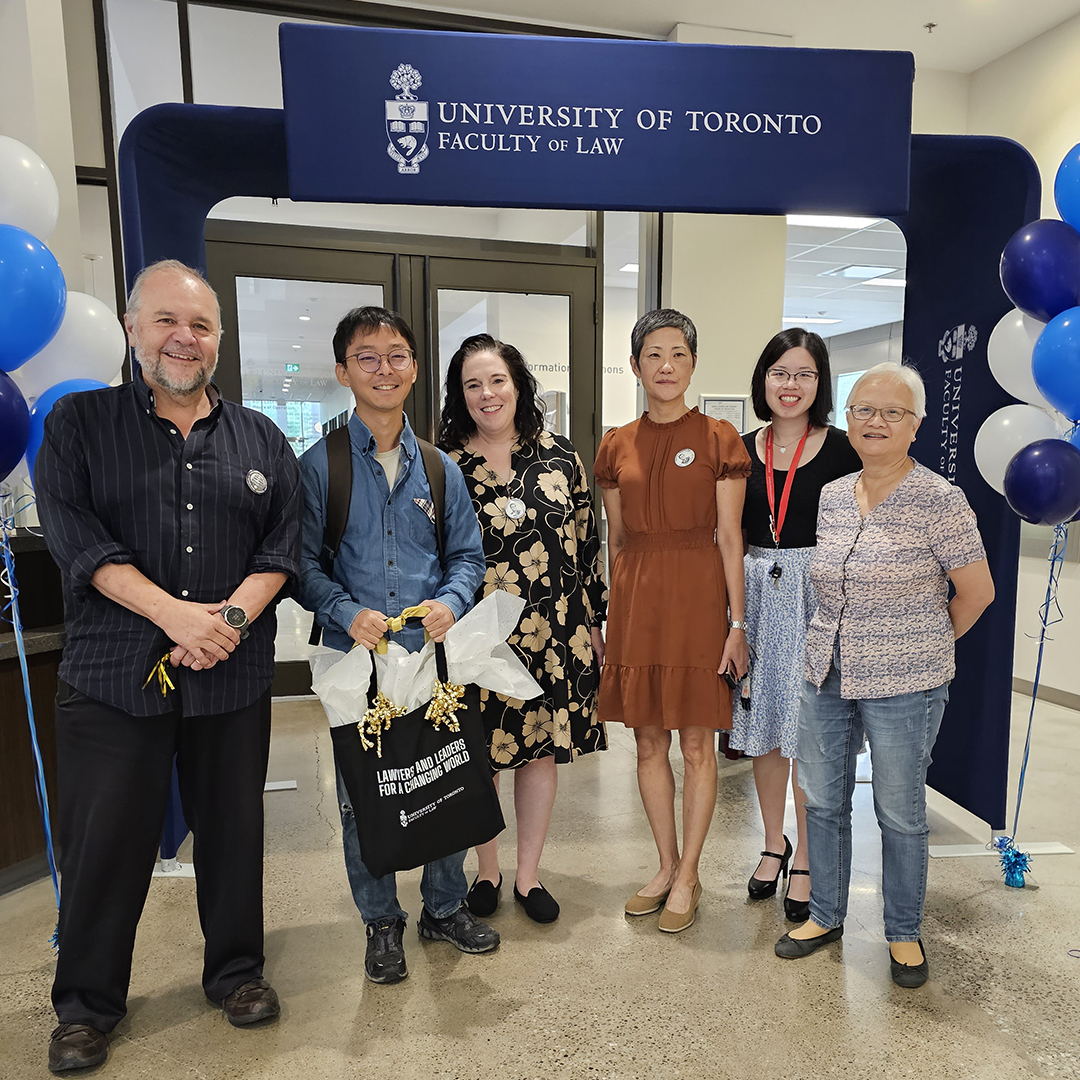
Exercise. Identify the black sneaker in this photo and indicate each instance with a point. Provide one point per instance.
(461, 929)
(385, 958)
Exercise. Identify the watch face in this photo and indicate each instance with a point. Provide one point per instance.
(236, 617)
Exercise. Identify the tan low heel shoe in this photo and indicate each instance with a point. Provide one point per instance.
(671, 922)
(645, 905)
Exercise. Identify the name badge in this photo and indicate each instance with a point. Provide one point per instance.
(257, 482)
(684, 457)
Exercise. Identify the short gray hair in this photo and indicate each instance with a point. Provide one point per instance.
(661, 319)
(174, 266)
(901, 373)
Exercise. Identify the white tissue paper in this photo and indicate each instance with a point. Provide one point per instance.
(476, 652)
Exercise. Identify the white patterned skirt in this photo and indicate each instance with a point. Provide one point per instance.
(778, 611)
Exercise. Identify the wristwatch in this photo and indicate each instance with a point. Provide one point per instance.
(237, 618)
(738, 624)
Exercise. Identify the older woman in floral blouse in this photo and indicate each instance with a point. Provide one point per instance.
(536, 514)
(879, 659)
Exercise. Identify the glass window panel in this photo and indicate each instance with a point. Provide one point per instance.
(274, 316)
(536, 324)
(621, 309)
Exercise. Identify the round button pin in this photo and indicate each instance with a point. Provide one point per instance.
(256, 481)
(684, 457)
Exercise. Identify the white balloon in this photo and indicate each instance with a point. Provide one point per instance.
(1008, 353)
(29, 197)
(1004, 433)
(90, 344)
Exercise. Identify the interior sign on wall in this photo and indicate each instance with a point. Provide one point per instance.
(500, 120)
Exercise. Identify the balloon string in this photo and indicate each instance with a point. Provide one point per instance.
(1049, 614)
(11, 614)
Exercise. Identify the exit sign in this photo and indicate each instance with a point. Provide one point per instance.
(291, 368)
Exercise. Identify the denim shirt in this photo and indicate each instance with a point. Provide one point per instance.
(388, 559)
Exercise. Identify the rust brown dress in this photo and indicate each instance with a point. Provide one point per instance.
(667, 610)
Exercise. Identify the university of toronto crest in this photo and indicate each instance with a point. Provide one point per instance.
(407, 121)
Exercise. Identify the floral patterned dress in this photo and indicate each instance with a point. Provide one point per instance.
(551, 557)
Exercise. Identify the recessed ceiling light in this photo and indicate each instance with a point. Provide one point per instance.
(629, 268)
(305, 318)
(808, 322)
(296, 346)
(897, 282)
(860, 272)
(831, 221)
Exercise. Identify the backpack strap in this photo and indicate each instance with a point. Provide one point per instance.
(338, 498)
(436, 474)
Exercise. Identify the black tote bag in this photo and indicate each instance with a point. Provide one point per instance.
(430, 794)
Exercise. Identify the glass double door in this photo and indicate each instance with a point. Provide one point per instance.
(282, 297)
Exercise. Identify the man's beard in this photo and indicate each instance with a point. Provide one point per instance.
(154, 366)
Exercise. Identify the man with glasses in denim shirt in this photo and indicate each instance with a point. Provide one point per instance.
(387, 561)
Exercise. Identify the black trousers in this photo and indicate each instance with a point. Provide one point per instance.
(114, 772)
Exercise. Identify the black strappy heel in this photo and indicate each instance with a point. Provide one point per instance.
(796, 910)
(759, 888)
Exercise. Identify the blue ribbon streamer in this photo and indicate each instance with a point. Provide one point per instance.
(11, 614)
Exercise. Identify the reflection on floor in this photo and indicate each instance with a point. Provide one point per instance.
(597, 995)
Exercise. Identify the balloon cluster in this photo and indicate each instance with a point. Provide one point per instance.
(1034, 353)
(74, 340)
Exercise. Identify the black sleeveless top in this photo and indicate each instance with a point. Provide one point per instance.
(836, 458)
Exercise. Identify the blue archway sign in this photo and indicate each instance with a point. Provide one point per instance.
(968, 195)
(408, 116)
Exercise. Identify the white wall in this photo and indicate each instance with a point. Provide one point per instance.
(1032, 95)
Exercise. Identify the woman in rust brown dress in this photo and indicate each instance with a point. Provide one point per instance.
(673, 483)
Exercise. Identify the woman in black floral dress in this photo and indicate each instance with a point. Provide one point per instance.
(536, 513)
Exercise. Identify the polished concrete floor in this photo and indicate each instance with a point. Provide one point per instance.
(598, 996)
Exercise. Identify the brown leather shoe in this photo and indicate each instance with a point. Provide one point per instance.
(251, 1003)
(77, 1046)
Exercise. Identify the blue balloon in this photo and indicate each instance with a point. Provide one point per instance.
(1067, 187)
(1042, 482)
(14, 425)
(1055, 363)
(33, 296)
(41, 409)
(1040, 268)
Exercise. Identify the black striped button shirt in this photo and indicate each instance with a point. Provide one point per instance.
(116, 483)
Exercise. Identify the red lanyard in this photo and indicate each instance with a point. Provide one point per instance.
(776, 521)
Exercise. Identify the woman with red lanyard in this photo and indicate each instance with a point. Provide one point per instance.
(792, 458)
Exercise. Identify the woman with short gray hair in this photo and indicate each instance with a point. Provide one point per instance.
(879, 659)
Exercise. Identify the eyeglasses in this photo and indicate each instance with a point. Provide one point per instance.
(370, 360)
(867, 412)
(780, 376)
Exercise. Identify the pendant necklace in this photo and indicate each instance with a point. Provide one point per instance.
(776, 518)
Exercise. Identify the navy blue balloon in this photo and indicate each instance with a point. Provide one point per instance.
(1055, 362)
(33, 296)
(41, 409)
(1042, 482)
(14, 425)
(1040, 268)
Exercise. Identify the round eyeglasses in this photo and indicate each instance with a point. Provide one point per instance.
(370, 360)
(801, 378)
(868, 412)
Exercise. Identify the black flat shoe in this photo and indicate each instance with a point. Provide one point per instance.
(483, 897)
(796, 910)
(539, 904)
(789, 948)
(761, 888)
(909, 976)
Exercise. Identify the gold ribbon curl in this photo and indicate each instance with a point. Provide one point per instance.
(161, 670)
(377, 720)
(444, 705)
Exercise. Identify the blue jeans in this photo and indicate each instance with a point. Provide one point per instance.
(443, 885)
(901, 731)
